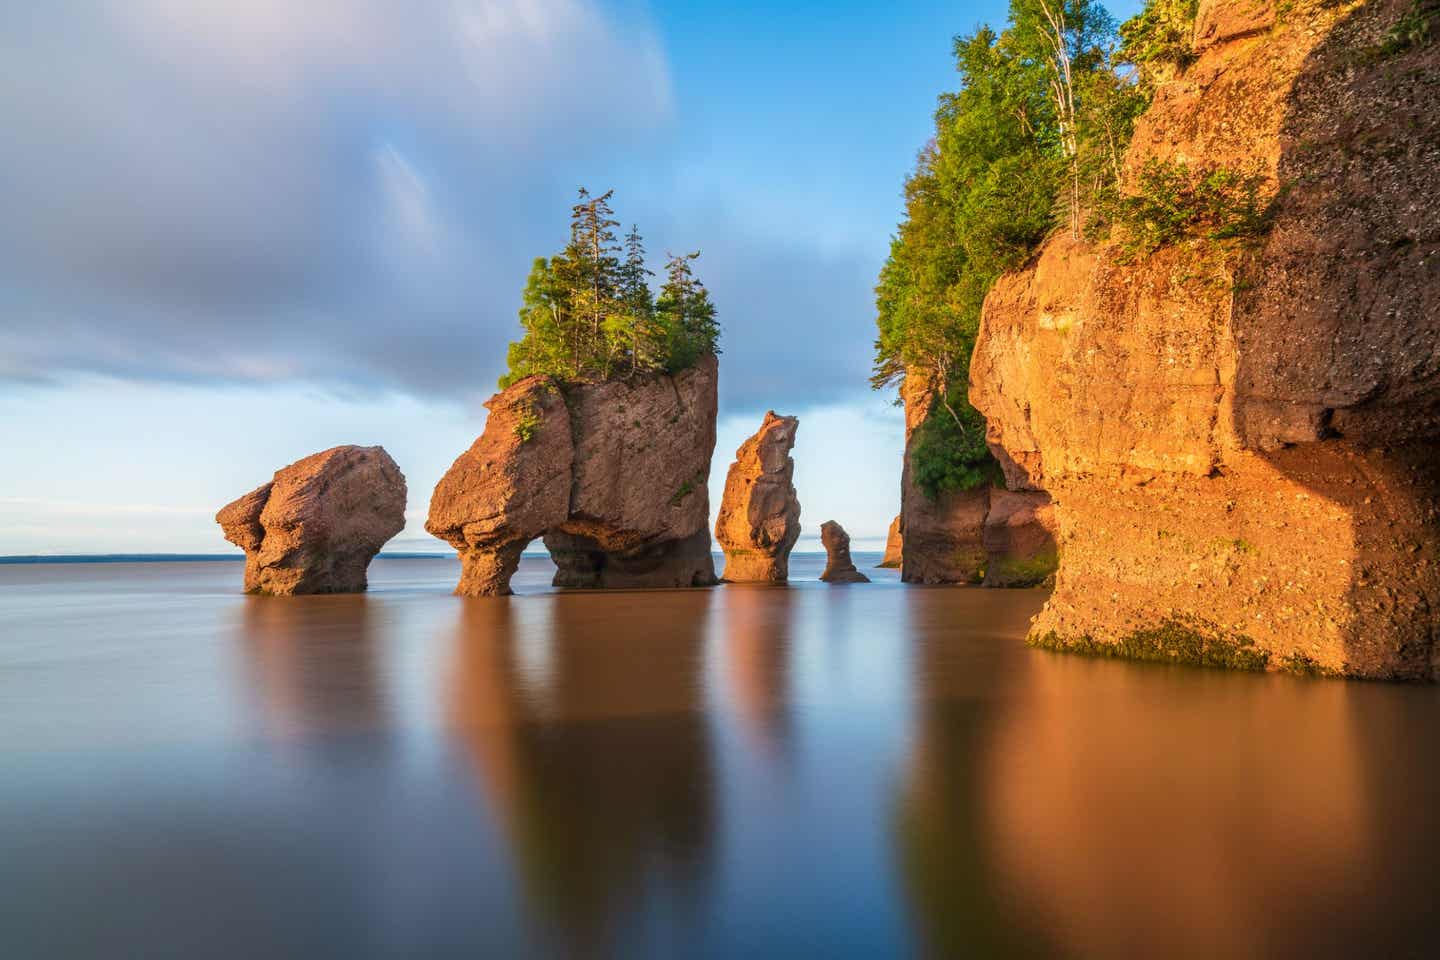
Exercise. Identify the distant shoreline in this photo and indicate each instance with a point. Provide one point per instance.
(240, 557)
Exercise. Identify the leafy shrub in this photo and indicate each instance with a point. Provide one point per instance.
(1176, 201)
(1417, 27)
(527, 422)
(948, 456)
(1159, 37)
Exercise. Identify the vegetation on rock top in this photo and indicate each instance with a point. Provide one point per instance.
(589, 313)
(1033, 138)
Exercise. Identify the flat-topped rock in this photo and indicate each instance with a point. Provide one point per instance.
(759, 519)
(317, 525)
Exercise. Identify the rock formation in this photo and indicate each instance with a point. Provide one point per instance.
(317, 525)
(1019, 539)
(1239, 438)
(611, 474)
(839, 568)
(759, 518)
(997, 537)
(894, 545)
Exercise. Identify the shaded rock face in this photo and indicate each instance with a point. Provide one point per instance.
(317, 525)
(945, 536)
(1240, 438)
(759, 519)
(612, 475)
(995, 537)
(1019, 539)
(839, 568)
(894, 545)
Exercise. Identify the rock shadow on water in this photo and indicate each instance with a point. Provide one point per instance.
(584, 725)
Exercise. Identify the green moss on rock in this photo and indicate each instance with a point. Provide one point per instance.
(1177, 639)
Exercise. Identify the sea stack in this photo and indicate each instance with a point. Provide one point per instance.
(611, 474)
(759, 519)
(839, 568)
(317, 525)
(894, 545)
(1239, 436)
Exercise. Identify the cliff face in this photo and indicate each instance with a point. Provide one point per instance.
(316, 526)
(759, 519)
(612, 475)
(1238, 436)
(1001, 538)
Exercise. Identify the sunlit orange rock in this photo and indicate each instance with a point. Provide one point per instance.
(1240, 436)
(759, 519)
(612, 474)
(317, 525)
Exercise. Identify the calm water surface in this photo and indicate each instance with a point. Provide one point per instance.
(867, 771)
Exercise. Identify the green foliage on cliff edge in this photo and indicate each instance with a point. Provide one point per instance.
(1158, 39)
(1174, 200)
(1033, 136)
(589, 314)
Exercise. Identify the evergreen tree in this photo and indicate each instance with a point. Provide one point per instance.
(589, 314)
(686, 314)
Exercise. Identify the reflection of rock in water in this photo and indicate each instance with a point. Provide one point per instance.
(594, 750)
(1234, 803)
(944, 854)
(313, 664)
(757, 654)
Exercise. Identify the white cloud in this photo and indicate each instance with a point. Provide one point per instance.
(336, 190)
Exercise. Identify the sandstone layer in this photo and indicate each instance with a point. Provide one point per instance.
(1001, 538)
(759, 519)
(894, 545)
(1239, 436)
(316, 526)
(612, 475)
(839, 568)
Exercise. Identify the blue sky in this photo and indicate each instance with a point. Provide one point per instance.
(241, 231)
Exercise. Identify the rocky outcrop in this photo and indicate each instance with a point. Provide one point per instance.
(945, 535)
(990, 536)
(317, 525)
(612, 475)
(839, 568)
(894, 545)
(1239, 437)
(1019, 539)
(759, 519)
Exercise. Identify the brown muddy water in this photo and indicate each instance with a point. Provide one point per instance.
(868, 771)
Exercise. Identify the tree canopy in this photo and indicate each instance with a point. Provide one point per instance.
(589, 314)
(1031, 142)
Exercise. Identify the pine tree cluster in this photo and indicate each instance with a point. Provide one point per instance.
(589, 313)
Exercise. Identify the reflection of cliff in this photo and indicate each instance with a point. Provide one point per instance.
(313, 665)
(757, 642)
(1154, 812)
(943, 849)
(588, 737)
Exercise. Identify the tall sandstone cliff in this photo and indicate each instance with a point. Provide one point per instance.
(1240, 437)
(612, 475)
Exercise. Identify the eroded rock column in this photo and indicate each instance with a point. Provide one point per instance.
(759, 519)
